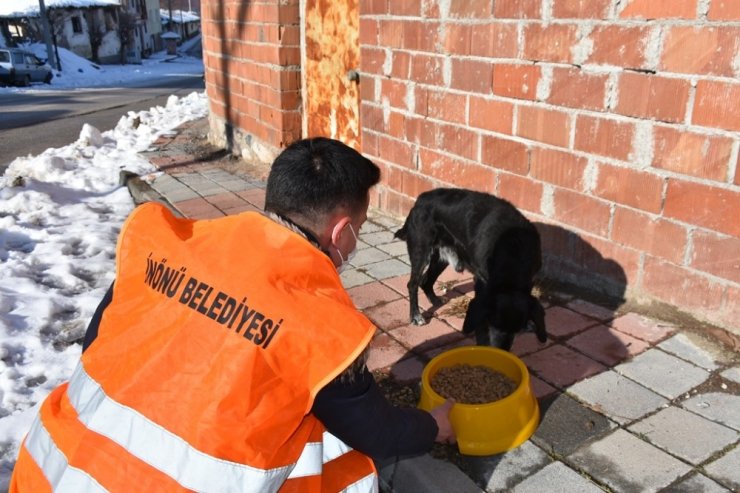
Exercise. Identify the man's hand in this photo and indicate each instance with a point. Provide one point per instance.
(441, 415)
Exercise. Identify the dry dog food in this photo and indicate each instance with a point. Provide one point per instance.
(471, 384)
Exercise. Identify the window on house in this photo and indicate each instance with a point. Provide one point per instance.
(76, 24)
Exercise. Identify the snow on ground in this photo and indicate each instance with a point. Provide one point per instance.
(60, 213)
(78, 72)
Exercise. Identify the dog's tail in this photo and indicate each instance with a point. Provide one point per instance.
(401, 234)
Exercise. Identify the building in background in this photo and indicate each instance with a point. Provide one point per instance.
(89, 29)
(140, 29)
(184, 24)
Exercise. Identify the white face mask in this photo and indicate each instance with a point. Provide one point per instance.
(350, 255)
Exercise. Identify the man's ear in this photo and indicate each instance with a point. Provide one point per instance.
(336, 226)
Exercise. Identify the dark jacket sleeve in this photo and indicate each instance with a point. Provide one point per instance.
(358, 414)
(92, 328)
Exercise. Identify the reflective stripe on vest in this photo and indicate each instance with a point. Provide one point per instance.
(165, 451)
(368, 483)
(54, 464)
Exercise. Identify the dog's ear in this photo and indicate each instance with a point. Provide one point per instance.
(537, 315)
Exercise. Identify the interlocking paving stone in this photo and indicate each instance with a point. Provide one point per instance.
(607, 345)
(408, 370)
(561, 366)
(566, 424)
(627, 464)
(563, 322)
(556, 478)
(663, 373)
(541, 389)
(182, 195)
(717, 406)
(353, 277)
(384, 219)
(503, 471)
(526, 343)
(725, 469)
(696, 483)
(370, 226)
(684, 434)
(368, 256)
(423, 338)
(389, 268)
(617, 397)
(642, 327)
(384, 352)
(380, 238)
(396, 249)
(594, 311)
(372, 294)
(681, 346)
(390, 315)
(732, 374)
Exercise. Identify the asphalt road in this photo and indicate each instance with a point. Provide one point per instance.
(33, 122)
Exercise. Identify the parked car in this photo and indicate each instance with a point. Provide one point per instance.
(21, 67)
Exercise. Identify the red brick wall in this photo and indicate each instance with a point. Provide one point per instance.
(251, 55)
(613, 124)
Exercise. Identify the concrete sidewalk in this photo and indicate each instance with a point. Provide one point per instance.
(629, 403)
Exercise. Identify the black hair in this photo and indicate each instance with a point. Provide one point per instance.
(313, 177)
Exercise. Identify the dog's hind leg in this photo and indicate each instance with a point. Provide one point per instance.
(436, 267)
(419, 257)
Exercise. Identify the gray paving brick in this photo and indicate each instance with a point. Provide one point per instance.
(503, 471)
(566, 424)
(387, 269)
(685, 434)
(717, 406)
(627, 464)
(663, 373)
(379, 238)
(683, 347)
(726, 469)
(556, 478)
(235, 184)
(617, 397)
(382, 218)
(370, 227)
(361, 245)
(732, 374)
(369, 256)
(181, 195)
(395, 249)
(696, 483)
(353, 277)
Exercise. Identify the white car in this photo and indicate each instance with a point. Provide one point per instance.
(21, 67)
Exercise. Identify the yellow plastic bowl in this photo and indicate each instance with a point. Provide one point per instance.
(494, 427)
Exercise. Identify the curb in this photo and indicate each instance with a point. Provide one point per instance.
(141, 191)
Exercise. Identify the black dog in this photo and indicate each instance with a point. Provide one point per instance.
(490, 238)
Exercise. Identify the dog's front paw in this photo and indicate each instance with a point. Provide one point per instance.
(418, 319)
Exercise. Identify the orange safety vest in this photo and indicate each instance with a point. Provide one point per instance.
(205, 368)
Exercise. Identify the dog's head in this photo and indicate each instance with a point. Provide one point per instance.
(497, 321)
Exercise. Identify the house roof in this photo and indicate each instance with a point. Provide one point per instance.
(30, 8)
(179, 16)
